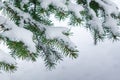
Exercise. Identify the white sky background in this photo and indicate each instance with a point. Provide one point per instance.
(101, 62)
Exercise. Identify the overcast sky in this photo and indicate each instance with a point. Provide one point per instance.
(101, 62)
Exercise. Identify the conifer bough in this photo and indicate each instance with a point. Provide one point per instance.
(28, 32)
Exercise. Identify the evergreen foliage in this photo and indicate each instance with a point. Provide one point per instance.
(33, 15)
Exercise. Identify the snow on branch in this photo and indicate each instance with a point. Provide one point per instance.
(7, 58)
(64, 5)
(7, 62)
(106, 19)
(75, 8)
(109, 9)
(31, 17)
(58, 33)
(25, 17)
(46, 3)
(18, 34)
